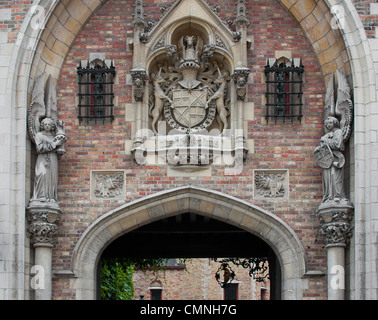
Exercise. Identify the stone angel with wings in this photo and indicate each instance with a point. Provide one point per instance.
(48, 135)
(337, 126)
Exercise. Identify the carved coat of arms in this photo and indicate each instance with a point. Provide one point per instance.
(189, 107)
(190, 89)
(323, 156)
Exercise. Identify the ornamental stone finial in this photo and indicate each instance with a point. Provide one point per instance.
(139, 21)
(241, 15)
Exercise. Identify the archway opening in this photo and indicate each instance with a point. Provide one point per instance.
(195, 237)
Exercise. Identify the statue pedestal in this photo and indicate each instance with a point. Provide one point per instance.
(43, 218)
(335, 218)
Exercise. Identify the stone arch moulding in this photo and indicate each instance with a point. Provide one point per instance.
(275, 232)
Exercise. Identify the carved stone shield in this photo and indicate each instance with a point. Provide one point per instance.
(189, 107)
(323, 156)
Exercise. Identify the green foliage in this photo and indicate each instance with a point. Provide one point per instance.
(150, 264)
(117, 280)
(117, 275)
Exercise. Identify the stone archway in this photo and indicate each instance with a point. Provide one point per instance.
(275, 232)
(39, 50)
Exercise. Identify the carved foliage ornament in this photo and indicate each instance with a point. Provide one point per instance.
(336, 233)
(42, 227)
(336, 223)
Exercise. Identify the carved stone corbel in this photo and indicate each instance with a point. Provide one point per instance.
(336, 223)
(336, 233)
(240, 77)
(143, 37)
(42, 229)
(337, 229)
(42, 226)
(139, 78)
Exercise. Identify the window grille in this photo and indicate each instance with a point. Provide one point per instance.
(284, 90)
(96, 93)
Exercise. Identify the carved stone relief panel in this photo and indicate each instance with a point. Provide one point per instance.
(271, 184)
(108, 185)
(190, 85)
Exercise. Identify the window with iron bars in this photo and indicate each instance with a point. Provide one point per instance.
(284, 90)
(96, 93)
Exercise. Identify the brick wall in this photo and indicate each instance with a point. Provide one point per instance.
(12, 14)
(368, 11)
(197, 282)
(277, 146)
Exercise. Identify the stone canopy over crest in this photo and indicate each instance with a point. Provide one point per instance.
(185, 52)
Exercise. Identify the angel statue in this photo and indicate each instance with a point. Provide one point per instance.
(48, 135)
(337, 126)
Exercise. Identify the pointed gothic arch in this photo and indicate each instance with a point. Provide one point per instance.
(271, 229)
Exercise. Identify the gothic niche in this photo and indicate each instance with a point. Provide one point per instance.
(190, 88)
(189, 104)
